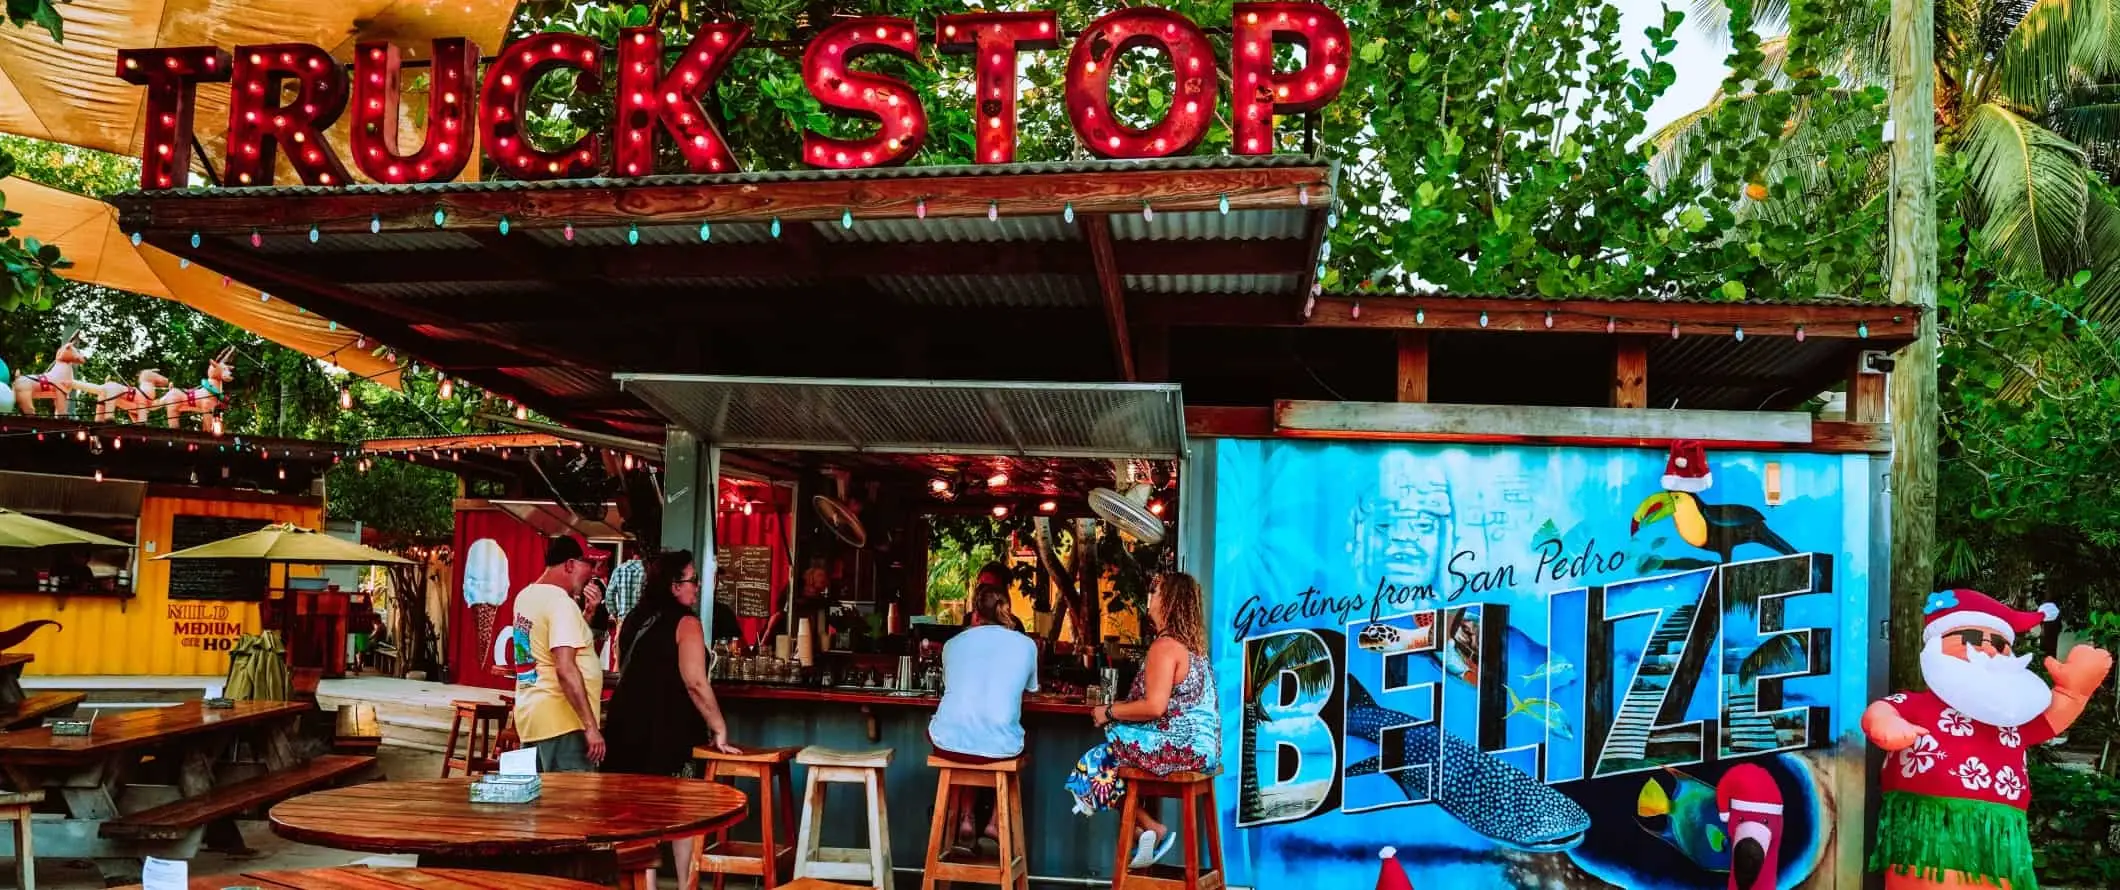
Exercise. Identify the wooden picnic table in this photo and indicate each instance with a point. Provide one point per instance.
(355, 877)
(160, 781)
(598, 827)
(19, 710)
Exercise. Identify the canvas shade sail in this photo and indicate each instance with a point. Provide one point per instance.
(70, 92)
(289, 544)
(86, 230)
(20, 530)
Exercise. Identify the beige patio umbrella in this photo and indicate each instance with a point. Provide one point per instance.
(87, 231)
(287, 543)
(70, 92)
(20, 530)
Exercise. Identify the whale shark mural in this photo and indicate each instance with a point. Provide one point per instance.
(1533, 665)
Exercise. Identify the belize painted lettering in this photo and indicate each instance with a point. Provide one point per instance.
(659, 96)
(1420, 683)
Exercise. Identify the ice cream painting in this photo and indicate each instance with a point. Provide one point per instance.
(485, 586)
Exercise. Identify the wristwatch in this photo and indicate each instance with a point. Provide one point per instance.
(1108, 713)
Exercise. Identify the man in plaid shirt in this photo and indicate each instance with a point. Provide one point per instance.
(622, 592)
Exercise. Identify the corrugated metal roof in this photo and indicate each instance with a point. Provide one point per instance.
(1194, 162)
(952, 230)
(1207, 225)
(716, 282)
(410, 240)
(1722, 372)
(1697, 298)
(988, 291)
(686, 233)
(1213, 284)
(562, 382)
(444, 289)
(922, 416)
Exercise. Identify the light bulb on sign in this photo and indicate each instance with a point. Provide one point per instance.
(1155, 507)
(938, 486)
(1000, 511)
(997, 480)
(1048, 506)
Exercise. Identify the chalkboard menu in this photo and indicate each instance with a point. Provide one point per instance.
(215, 579)
(743, 579)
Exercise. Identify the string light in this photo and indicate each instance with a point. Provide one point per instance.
(776, 227)
(194, 240)
(1048, 506)
(1068, 212)
(447, 389)
(920, 208)
(632, 233)
(441, 217)
(314, 234)
(346, 399)
(1549, 318)
(504, 225)
(1420, 316)
(993, 211)
(1863, 330)
(1223, 205)
(706, 231)
(1674, 330)
(256, 240)
(1000, 511)
(136, 239)
(1740, 334)
(1611, 324)
(568, 231)
(1483, 318)
(375, 223)
(1148, 214)
(846, 218)
(1799, 333)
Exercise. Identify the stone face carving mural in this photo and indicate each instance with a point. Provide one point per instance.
(1540, 666)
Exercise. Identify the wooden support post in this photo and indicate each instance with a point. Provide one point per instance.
(1630, 373)
(1413, 366)
(1913, 383)
(1866, 393)
(1111, 290)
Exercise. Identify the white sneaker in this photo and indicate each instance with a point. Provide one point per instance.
(1144, 851)
(1170, 839)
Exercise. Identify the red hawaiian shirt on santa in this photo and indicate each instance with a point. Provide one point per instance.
(1961, 757)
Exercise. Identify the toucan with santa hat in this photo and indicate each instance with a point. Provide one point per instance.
(1718, 527)
(1955, 788)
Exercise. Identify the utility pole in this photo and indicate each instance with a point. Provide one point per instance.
(1913, 383)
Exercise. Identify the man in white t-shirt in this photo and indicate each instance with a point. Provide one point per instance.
(556, 699)
(986, 669)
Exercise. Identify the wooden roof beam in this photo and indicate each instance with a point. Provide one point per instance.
(1888, 326)
(1111, 289)
(480, 206)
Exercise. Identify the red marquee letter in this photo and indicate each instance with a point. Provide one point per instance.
(258, 126)
(646, 95)
(995, 38)
(375, 113)
(171, 76)
(1089, 74)
(887, 100)
(1259, 92)
(507, 92)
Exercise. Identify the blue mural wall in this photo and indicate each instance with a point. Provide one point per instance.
(1532, 666)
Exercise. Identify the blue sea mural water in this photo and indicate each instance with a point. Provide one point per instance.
(1531, 665)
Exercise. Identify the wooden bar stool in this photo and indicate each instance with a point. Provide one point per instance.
(1012, 869)
(15, 808)
(486, 722)
(872, 865)
(815, 884)
(636, 864)
(720, 856)
(1190, 790)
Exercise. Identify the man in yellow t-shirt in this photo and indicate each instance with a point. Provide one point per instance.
(556, 706)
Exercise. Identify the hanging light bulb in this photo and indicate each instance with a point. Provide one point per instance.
(1048, 506)
(441, 217)
(1303, 195)
(632, 233)
(283, 472)
(993, 211)
(1549, 319)
(183, 262)
(1068, 212)
(705, 231)
(99, 474)
(136, 239)
(1611, 324)
(1483, 319)
(1155, 507)
(1000, 511)
(920, 208)
(522, 413)
(776, 227)
(1862, 330)
(1223, 205)
(375, 223)
(504, 225)
(628, 462)
(746, 508)
(256, 240)
(446, 390)
(568, 231)
(314, 233)
(1740, 334)
(1674, 330)
(997, 480)
(217, 424)
(195, 476)
(1799, 333)
(938, 485)
(194, 240)
(1148, 214)
(346, 399)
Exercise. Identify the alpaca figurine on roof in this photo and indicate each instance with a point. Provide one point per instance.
(207, 399)
(135, 400)
(55, 385)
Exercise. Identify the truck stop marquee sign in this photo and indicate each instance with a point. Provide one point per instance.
(660, 97)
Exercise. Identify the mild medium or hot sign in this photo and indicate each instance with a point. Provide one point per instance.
(1536, 666)
(660, 96)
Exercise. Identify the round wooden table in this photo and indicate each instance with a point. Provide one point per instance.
(355, 877)
(591, 826)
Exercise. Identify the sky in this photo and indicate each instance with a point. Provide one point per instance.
(1699, 59)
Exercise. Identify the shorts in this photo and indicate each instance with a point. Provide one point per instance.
(563, 753)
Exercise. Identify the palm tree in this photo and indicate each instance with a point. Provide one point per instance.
(1297, 654)
(2027, 99)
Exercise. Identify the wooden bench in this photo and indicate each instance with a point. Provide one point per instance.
(171, 821)
(32, 710)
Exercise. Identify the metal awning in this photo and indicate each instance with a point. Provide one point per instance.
(1079, 420)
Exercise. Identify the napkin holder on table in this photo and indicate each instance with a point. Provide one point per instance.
(73, 727)
(515, 782)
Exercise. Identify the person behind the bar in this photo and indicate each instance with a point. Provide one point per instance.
(555, 705)
(986, 669)
(664, 706)
(1169, 723)
(997, 574)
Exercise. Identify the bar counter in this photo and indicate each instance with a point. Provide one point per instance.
(1057, 731)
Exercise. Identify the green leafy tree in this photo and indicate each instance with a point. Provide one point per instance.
(29, 271)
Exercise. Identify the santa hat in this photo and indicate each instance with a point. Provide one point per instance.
(1393, 875)
(1747, 789)
(1950, 609)
(1687, 468)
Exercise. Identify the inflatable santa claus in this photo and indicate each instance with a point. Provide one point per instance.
(1955, 787)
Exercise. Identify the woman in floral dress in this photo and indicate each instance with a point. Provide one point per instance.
(1169, 723)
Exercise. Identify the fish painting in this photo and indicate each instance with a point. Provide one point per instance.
(1488, 794)
(1557, 672)
(1542, 710)
(1686, 817)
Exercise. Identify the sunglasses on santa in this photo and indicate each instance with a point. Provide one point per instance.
(1973, 638)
